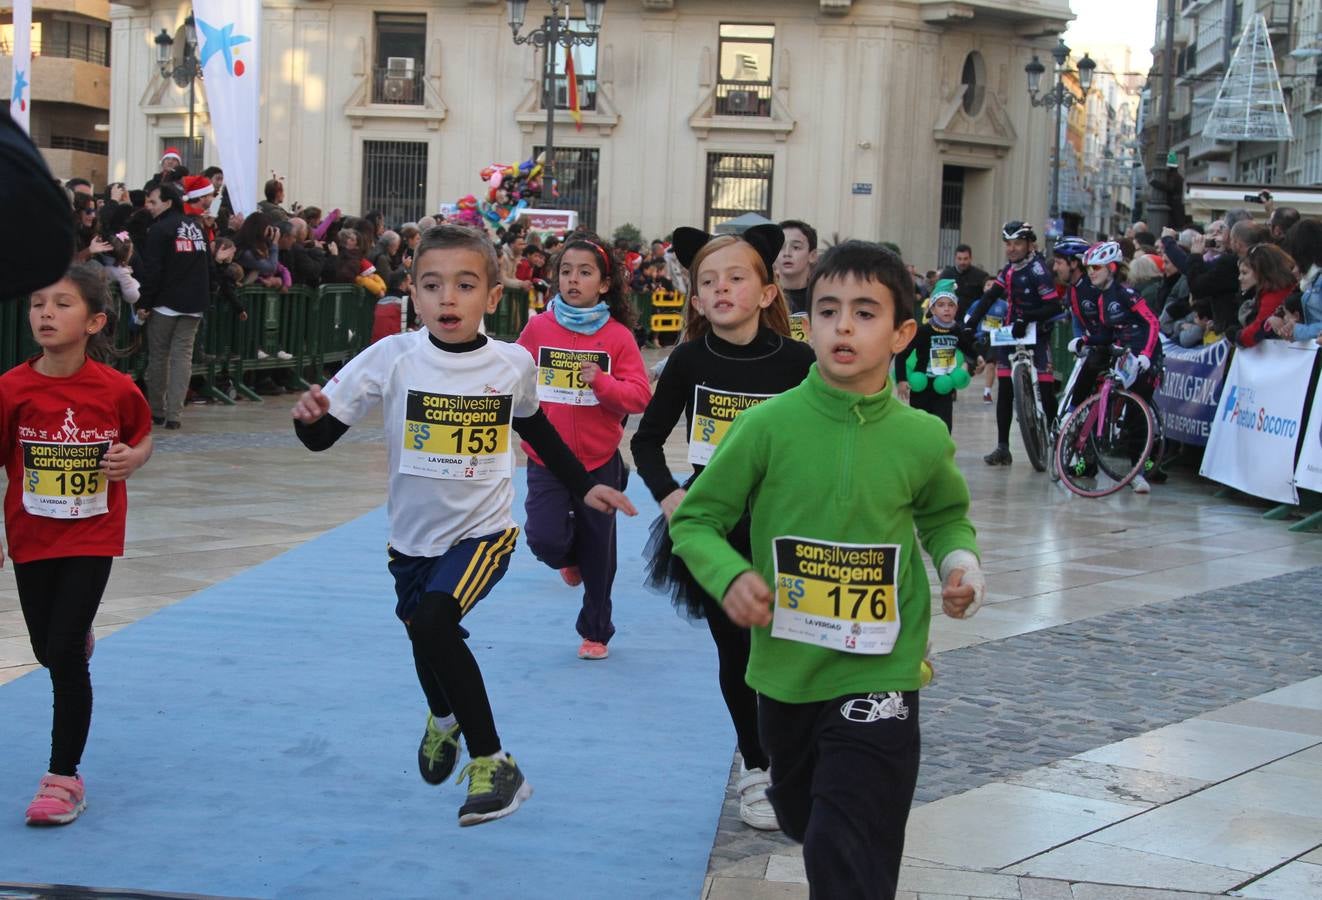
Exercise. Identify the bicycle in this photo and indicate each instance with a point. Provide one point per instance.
(1110, 433)
(1034, 426)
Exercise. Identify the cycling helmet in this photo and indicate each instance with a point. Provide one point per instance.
(1070, 248)
(1014, 230)
(1103, 254)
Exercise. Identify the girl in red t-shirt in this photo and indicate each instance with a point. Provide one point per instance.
(71, 430)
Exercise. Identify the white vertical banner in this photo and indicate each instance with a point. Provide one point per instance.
(229, 52)
(1309, 473)
(20, 94)
(1257, 425)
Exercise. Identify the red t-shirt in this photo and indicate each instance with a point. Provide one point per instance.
(53, 432)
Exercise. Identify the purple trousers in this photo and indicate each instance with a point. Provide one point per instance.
(562, 531)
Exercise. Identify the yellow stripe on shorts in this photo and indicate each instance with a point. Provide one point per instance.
(502, 548)
(473, 565)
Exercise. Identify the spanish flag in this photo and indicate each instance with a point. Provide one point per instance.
(574, 112)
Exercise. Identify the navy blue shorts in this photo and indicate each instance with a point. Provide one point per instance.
(467, 571)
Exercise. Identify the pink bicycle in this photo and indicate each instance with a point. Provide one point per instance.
(1106, 441)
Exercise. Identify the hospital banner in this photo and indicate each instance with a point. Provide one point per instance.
(1257, 426)
(229, 52)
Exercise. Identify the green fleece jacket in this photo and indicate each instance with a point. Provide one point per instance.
(821, 463)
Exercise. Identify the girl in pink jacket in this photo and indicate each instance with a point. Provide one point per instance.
(590, 378)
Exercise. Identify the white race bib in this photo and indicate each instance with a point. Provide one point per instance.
(457, 435)
(558, 379)
(64, 480)
(713, 413)
(1004, 336)
(841, 596)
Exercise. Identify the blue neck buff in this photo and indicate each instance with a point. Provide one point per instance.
(585, 321)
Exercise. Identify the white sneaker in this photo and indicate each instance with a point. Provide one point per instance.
(262, 354)
(283, 354)
(1140, 485)
(754, 808)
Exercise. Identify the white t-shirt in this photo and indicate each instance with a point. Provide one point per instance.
(448, 419)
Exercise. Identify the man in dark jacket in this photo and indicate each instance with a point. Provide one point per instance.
(176, 287)
(969, 279)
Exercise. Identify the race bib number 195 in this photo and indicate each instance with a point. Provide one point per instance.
(456, 435)
(840, 596)
(64, 480)
(558, 379)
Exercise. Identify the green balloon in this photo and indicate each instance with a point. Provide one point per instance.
(912, 362)
(918, 381)
(943, 384)
(961, 378)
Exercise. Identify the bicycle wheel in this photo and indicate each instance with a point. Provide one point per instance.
(1095, 447)
(1031, 427)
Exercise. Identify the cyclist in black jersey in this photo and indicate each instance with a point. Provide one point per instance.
(1028, 287)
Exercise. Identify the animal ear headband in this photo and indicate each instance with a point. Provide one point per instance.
(765, 239)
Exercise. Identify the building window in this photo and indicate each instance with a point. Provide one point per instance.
(585, 72)
(1313, 149)
(401, 42)
(65, 39)
(577, 171)
(1261, 170)
(395, 179)
(192, 155)
(743, 83)
(737, 183)
(974, 80)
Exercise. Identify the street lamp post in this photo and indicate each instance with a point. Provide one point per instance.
(185, 73)
(547, 38)
(1060, 98)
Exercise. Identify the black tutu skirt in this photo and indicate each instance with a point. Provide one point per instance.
(666, 573)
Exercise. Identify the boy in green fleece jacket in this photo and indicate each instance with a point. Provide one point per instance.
(838, 641)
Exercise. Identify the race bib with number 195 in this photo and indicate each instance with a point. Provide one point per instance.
(840, 596)
(456, 435)
(64, 480)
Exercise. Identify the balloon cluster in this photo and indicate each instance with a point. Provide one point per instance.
(956, 380)
(510, 189)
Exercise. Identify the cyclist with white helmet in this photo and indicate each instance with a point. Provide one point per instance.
(1110, 313)
(1029, 289)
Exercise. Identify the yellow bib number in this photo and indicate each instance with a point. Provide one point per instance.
(456, 435)
(64, 480)
(559, 378)
(840, 596)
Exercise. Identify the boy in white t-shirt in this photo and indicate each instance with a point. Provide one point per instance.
(451, 398)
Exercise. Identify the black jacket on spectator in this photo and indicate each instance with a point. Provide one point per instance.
(305, 264)
(176, 265)
(36, 245)
(1213, 286)
(968, 285)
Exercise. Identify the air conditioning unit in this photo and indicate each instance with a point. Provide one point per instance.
(741, 103)
(398, 85)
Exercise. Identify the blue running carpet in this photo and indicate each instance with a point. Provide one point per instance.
(259, 739)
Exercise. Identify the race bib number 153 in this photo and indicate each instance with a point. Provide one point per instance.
(456, 435)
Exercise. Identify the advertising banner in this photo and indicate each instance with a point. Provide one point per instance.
(1308, 475)
(20, 86)
(1190, 389)
(229, 52)
(1257, 426)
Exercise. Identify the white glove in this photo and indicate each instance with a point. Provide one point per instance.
(973, 577)
(1077, 347)
(1144, 363)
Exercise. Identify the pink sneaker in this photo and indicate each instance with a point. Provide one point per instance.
(592, 650)
(59, 800)
(571, 576)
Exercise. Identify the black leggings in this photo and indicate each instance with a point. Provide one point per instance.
(449, 673)
(1005, 405)
(732, 647)
(59, 599)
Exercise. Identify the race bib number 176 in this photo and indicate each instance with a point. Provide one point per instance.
(841, 596)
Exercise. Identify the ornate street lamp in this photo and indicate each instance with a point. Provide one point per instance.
(553, 34)
(184, 73)
(1060, 98)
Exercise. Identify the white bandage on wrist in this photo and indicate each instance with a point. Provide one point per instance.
(973, 577)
